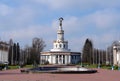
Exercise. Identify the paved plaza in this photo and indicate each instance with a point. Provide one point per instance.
(101, 75)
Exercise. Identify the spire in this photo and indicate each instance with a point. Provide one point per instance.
(60, 44)
(60, 32)
(60, 25)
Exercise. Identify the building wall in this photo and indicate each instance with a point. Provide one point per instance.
(3, 56)
(75, 59)
(3, 52)
(116, 55)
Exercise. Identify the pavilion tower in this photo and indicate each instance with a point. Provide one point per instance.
(60, 54)
(60, 44)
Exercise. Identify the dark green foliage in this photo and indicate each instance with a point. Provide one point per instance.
(91, 55)
(10, 54)
(87, 52)
(14, 53)
(2, 66)
(18, 53)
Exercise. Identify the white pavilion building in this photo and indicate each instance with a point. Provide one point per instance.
(116, 53)
(60, 54)
(3, 52)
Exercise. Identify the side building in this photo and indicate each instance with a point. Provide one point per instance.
(60, 54)
(116, 53)
(4, 49)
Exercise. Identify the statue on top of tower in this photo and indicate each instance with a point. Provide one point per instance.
(61, 19)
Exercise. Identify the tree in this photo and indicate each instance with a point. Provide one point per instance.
(37, 46)
(29, 55)
(18, 53)
(32, 53)
(10, 54)
(14, 54)
(87, 52)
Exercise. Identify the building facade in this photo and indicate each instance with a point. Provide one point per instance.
(60, 54)
(116, 53)
(3, 52)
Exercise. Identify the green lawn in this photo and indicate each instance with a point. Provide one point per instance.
(101, 66)
(84, 65)
(16, 67)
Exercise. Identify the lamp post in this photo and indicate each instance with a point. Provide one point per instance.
(107, 57)
(93, 55)
(99, 59)
(81, 60)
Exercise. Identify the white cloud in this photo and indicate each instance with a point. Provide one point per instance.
(101, 41)
(21, 22)
(29, 32)
(79, 4)
(105, 18)
(70, 24)
(104, 40)
(18, 17)
(101, 20)
(5, 10)
(25, 35)
(104, 21)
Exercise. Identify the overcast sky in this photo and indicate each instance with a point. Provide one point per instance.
(98, 20)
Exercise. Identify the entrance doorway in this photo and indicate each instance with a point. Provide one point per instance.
(60, 59)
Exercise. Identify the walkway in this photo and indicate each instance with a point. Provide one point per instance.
(102, 75)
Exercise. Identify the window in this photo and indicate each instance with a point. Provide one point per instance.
(72, 57)
(56, 45)
(56, 56)
(60, 45)
(48, 57)
(64, 45)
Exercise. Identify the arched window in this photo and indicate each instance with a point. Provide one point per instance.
(56, 45)
(64, 45)
(60, 45)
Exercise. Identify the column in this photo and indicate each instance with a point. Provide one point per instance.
(69, 60)
(118, 60)
(58, 59)
(51, 59)
(66, 59)
(54, 58)
(114, 56)
(61, 59)
(0, 56)
(41, 59)
(45, 57)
